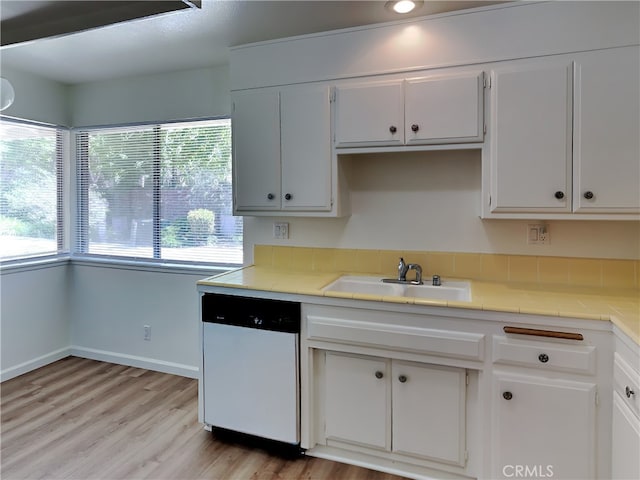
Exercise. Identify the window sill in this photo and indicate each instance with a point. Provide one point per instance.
(150, 266)
(35, 263)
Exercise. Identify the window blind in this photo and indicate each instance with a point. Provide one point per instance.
(158, 192)
(31, 195)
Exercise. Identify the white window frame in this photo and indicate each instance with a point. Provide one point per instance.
(81, 256)
(62, 200)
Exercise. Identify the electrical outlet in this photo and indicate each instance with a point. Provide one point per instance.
(147, 333)
(538, 234)
(281, 230)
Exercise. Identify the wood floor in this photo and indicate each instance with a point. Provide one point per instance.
(83, 419)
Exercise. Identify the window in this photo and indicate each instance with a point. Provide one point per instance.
(31, 189)
(158, 192)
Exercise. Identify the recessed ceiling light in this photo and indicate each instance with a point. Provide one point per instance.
(403, 6)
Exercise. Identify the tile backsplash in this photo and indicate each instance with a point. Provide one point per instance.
(567, 271)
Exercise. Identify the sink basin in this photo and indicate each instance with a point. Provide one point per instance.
(460, 290)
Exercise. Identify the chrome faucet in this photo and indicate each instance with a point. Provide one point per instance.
(403, 269)
(418, 269)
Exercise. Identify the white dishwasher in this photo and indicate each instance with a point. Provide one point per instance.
(250, 369)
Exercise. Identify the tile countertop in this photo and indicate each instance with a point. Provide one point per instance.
(620, 306)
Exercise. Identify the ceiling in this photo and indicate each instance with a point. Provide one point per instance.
(107, 48)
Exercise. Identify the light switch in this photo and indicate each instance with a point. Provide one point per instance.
(281, 230)
(537, 234)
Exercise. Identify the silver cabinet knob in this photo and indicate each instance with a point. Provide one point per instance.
(507, 395)
(415, 127)
(393, 129)
(402, 378)
(270, 196)
(379, 374)
(588, 195)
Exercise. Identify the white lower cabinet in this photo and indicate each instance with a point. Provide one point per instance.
(403, 407)
(543, 427)
(625, 429)
(428, 411)
(625, 441)
(357, 400)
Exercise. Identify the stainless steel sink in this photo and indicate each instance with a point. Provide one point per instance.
(459, 290)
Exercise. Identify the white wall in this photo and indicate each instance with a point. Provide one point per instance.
(431, 201)
(197, 93)
(96, 311)
(37, 98)
(110, 307)
(34, 318)
(500, 32)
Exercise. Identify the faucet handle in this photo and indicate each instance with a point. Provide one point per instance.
(402, 270)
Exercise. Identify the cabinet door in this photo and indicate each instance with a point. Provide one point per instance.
(357, 400)
(306, 148)
(625, 443)
(444, 109)
(429, 411)
(543, 426)
(606, 138)
(531, 116)
(370, 114)
(256, 150)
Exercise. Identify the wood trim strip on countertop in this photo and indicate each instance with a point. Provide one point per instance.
(543, 333)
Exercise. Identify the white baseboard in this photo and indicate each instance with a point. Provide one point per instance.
(38, 362)
(135, 361)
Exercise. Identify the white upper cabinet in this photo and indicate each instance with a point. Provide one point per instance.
(305, 148)
(370, 113)
(256, 150)
(606, 133)
(435, 109)
(531, 137)
(444, 109)
(282, 151)
(564, 137)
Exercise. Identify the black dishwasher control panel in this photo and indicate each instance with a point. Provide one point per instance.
(251, 312)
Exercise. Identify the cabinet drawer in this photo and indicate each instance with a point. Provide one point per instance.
(626, 381)
(544, 355)
(468, 346)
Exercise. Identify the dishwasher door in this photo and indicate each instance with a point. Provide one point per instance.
(251, 381)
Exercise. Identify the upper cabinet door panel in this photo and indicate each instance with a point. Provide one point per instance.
(306, 148)
(606, 138)
(370, 114)
(531, 113)
(444, 109)
(256, 150)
